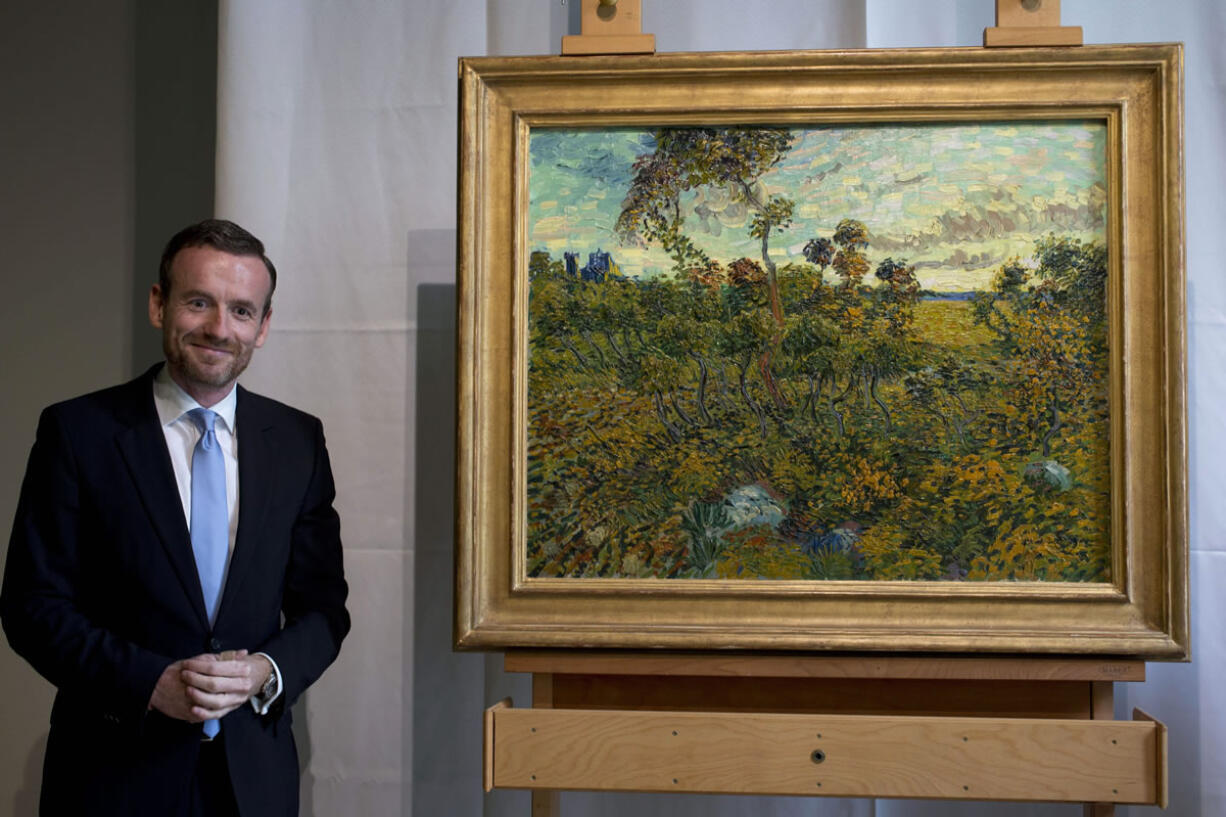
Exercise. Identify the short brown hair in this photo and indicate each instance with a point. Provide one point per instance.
(220, 235)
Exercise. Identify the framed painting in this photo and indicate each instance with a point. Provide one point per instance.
(871, 350)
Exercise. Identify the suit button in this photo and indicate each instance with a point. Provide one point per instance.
(214, 644)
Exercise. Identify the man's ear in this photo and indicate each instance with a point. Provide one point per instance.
(259, 339)
(157, 303)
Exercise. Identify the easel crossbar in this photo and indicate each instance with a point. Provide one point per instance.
(834, 755)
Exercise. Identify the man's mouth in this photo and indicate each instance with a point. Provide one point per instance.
(213, 351)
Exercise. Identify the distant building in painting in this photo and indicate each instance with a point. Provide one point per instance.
(599, 267)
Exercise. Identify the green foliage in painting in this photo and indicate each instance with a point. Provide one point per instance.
(704, 523)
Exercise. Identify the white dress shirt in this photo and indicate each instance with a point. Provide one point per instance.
(182, 434)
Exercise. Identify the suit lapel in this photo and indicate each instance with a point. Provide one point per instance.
(255, 474)
(143, 447)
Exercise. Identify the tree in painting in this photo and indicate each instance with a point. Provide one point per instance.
(731, 158)
(782, 393)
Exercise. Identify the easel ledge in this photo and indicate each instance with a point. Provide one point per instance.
(961, 727)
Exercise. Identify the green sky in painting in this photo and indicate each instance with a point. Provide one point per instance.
(954, 200)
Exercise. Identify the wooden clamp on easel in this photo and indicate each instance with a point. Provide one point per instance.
(616, 27)
(610, 27)
(1030, 23)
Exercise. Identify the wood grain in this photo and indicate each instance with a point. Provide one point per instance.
(946, 758)
(545, 803)
(487, 755)
(1162, 770)
(1021, 36)
(1017, 13)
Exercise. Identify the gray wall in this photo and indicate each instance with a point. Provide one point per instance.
(86, 88)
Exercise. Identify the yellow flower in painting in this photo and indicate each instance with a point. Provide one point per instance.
(867, 485)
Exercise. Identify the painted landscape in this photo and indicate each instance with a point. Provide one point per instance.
(824, 353)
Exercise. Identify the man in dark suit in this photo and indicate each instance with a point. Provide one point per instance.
(176, 665)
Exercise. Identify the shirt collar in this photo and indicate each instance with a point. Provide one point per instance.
(172, 402)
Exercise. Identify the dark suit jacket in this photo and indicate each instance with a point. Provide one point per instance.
(101, 593)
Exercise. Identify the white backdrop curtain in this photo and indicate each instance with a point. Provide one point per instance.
(337, 145)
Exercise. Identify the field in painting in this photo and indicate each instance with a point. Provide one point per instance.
(826, 410)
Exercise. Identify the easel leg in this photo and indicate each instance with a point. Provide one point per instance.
(544, 803)
(1102, 708)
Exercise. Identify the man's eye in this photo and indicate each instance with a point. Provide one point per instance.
(242, 312)
(197, 303)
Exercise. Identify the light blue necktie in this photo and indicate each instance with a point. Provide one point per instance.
(210, 523)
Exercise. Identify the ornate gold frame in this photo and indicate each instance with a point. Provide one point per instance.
(1137, 90)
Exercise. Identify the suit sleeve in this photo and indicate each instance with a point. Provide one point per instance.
(315, 590)
(41, 600)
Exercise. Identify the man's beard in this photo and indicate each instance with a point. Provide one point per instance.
(180, 360)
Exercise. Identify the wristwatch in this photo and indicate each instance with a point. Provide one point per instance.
(270, 684)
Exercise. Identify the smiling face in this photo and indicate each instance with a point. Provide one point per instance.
(212, 319)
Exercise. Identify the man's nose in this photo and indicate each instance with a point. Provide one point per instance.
(215, 323)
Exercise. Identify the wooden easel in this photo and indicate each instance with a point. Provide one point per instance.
(969, 728)
(958, 728)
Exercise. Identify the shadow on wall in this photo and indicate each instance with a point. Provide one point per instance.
(26, 801)
(447, 688)
(302, 738)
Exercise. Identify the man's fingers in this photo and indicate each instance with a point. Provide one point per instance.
(217, 708)
(237, 683)
(237, 668)
(170, 694)
(200, 693)
(213, 701)
(204, 686)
